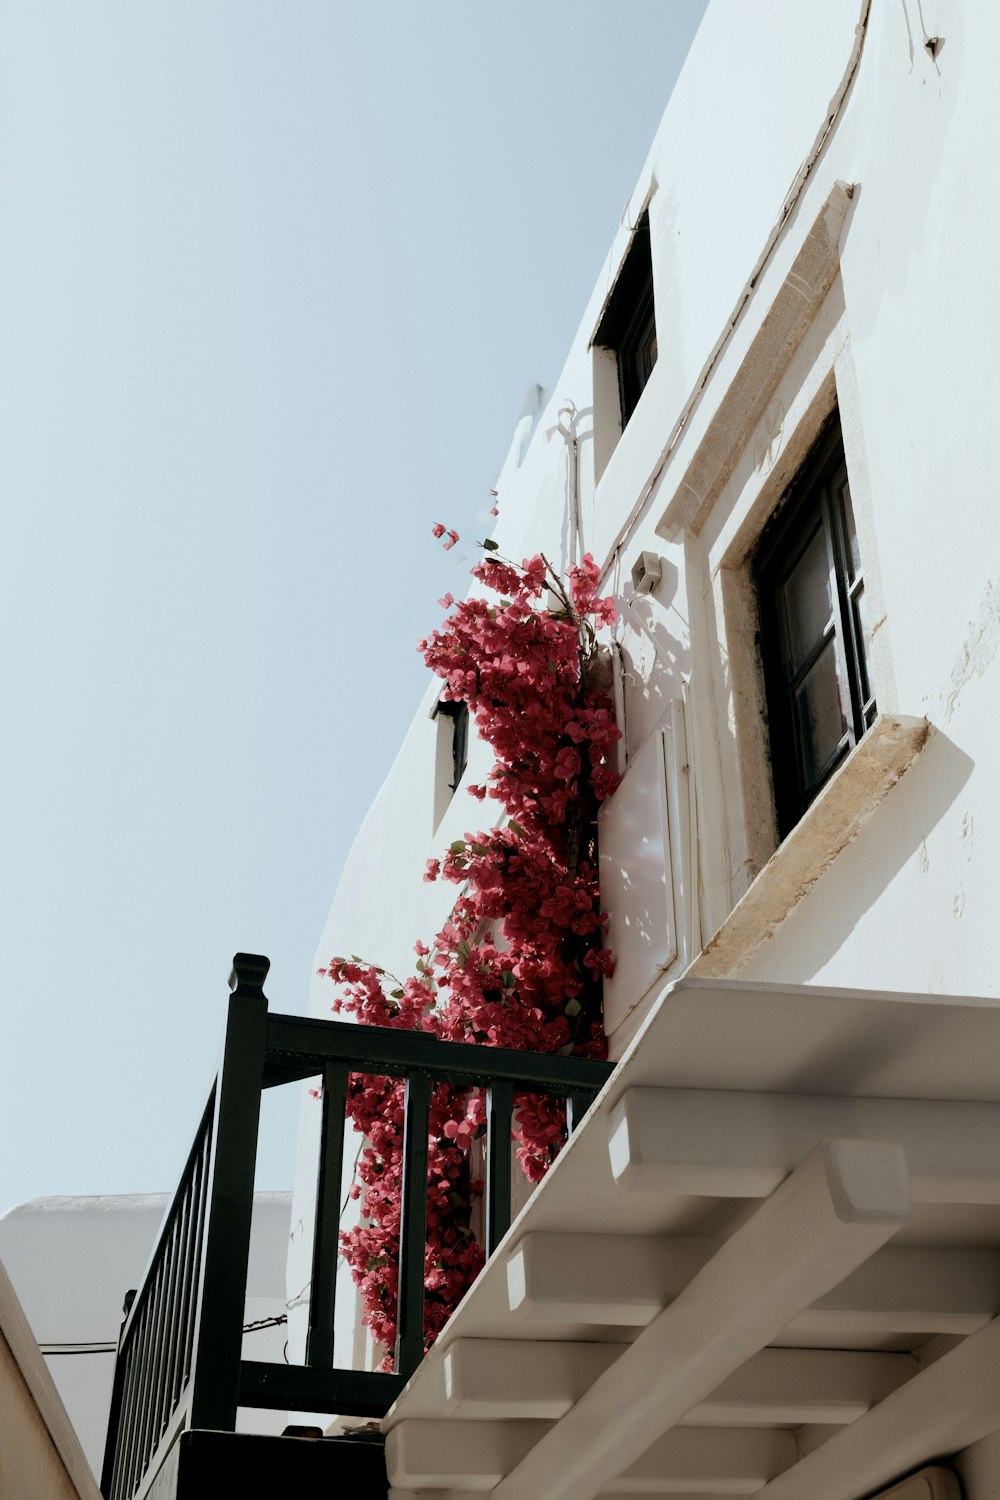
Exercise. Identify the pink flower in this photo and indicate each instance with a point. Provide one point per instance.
(437, 530)
(447, 601)
(519, 960)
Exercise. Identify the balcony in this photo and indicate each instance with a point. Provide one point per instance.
(767, 1264)
(180, 1374)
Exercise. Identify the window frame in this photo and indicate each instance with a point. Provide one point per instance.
(452, 724)
(628, 324)
(813, 503)
(457, 711)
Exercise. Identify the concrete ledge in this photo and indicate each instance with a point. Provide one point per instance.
(44, 1459)
(836, 817)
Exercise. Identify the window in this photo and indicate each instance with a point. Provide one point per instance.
(451, 754)
(628, 327)
(813, 629)
(458, 715)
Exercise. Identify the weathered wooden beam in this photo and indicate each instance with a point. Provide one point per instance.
(944, 1408)
(515, 1379)
(844, 1201)
(626, 1280)
(741, 1145)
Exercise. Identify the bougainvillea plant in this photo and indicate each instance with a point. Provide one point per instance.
(519, 962)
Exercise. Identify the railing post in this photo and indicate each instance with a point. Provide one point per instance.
(577, 1104)
(499, 1107)
(323, 1292)
(413, 1227)
(218, 1336)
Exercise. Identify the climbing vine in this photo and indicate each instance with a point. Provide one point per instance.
(520, 960)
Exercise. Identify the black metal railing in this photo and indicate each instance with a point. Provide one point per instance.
(180, 1359)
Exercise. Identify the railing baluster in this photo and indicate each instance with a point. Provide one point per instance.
(112, 1481)
(200, 1200)
(143, 1355)
(413, 1226)
(115, 1416)
(323, 1290)
(173, 1352)
(499, 1107)
(162, 1406)
(577, 1104)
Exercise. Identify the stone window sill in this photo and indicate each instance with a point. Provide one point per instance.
(834, 819)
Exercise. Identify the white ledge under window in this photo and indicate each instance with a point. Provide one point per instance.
(836, 817)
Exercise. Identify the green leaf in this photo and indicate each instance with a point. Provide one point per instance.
(507, 978)
(490, 545)
(573, 1007)
(566, 1051)
(458, 847)
(515, 826)
(462, 952)
(398, 995)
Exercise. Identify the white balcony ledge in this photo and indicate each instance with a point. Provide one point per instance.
(669, 1329)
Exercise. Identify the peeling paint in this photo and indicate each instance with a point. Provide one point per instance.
(978, 649)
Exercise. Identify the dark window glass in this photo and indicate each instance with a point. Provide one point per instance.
(629, 322)
(458, 713)
(813, 629)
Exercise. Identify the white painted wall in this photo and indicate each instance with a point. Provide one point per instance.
(906, 338)
(71, 1261)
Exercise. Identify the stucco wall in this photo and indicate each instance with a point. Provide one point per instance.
(901, 336)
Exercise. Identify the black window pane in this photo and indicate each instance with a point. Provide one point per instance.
(850, 529)
(808, 601)
(814, 629)
(629, 322)
(820, 718)
(862, 626)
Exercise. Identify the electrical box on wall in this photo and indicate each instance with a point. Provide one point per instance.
(637, 885)
(646, 572)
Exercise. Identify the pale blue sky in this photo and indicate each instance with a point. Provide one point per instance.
(274, 277)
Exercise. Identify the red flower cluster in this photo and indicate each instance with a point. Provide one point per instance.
(519, 963)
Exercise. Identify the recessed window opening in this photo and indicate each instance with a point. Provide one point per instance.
(451, 754)
(628, 326)
(814, 629)
(458, 715)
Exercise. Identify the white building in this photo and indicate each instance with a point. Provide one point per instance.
(772, 431)
(72, 1260)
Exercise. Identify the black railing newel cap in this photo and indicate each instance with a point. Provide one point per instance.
(249, 972)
